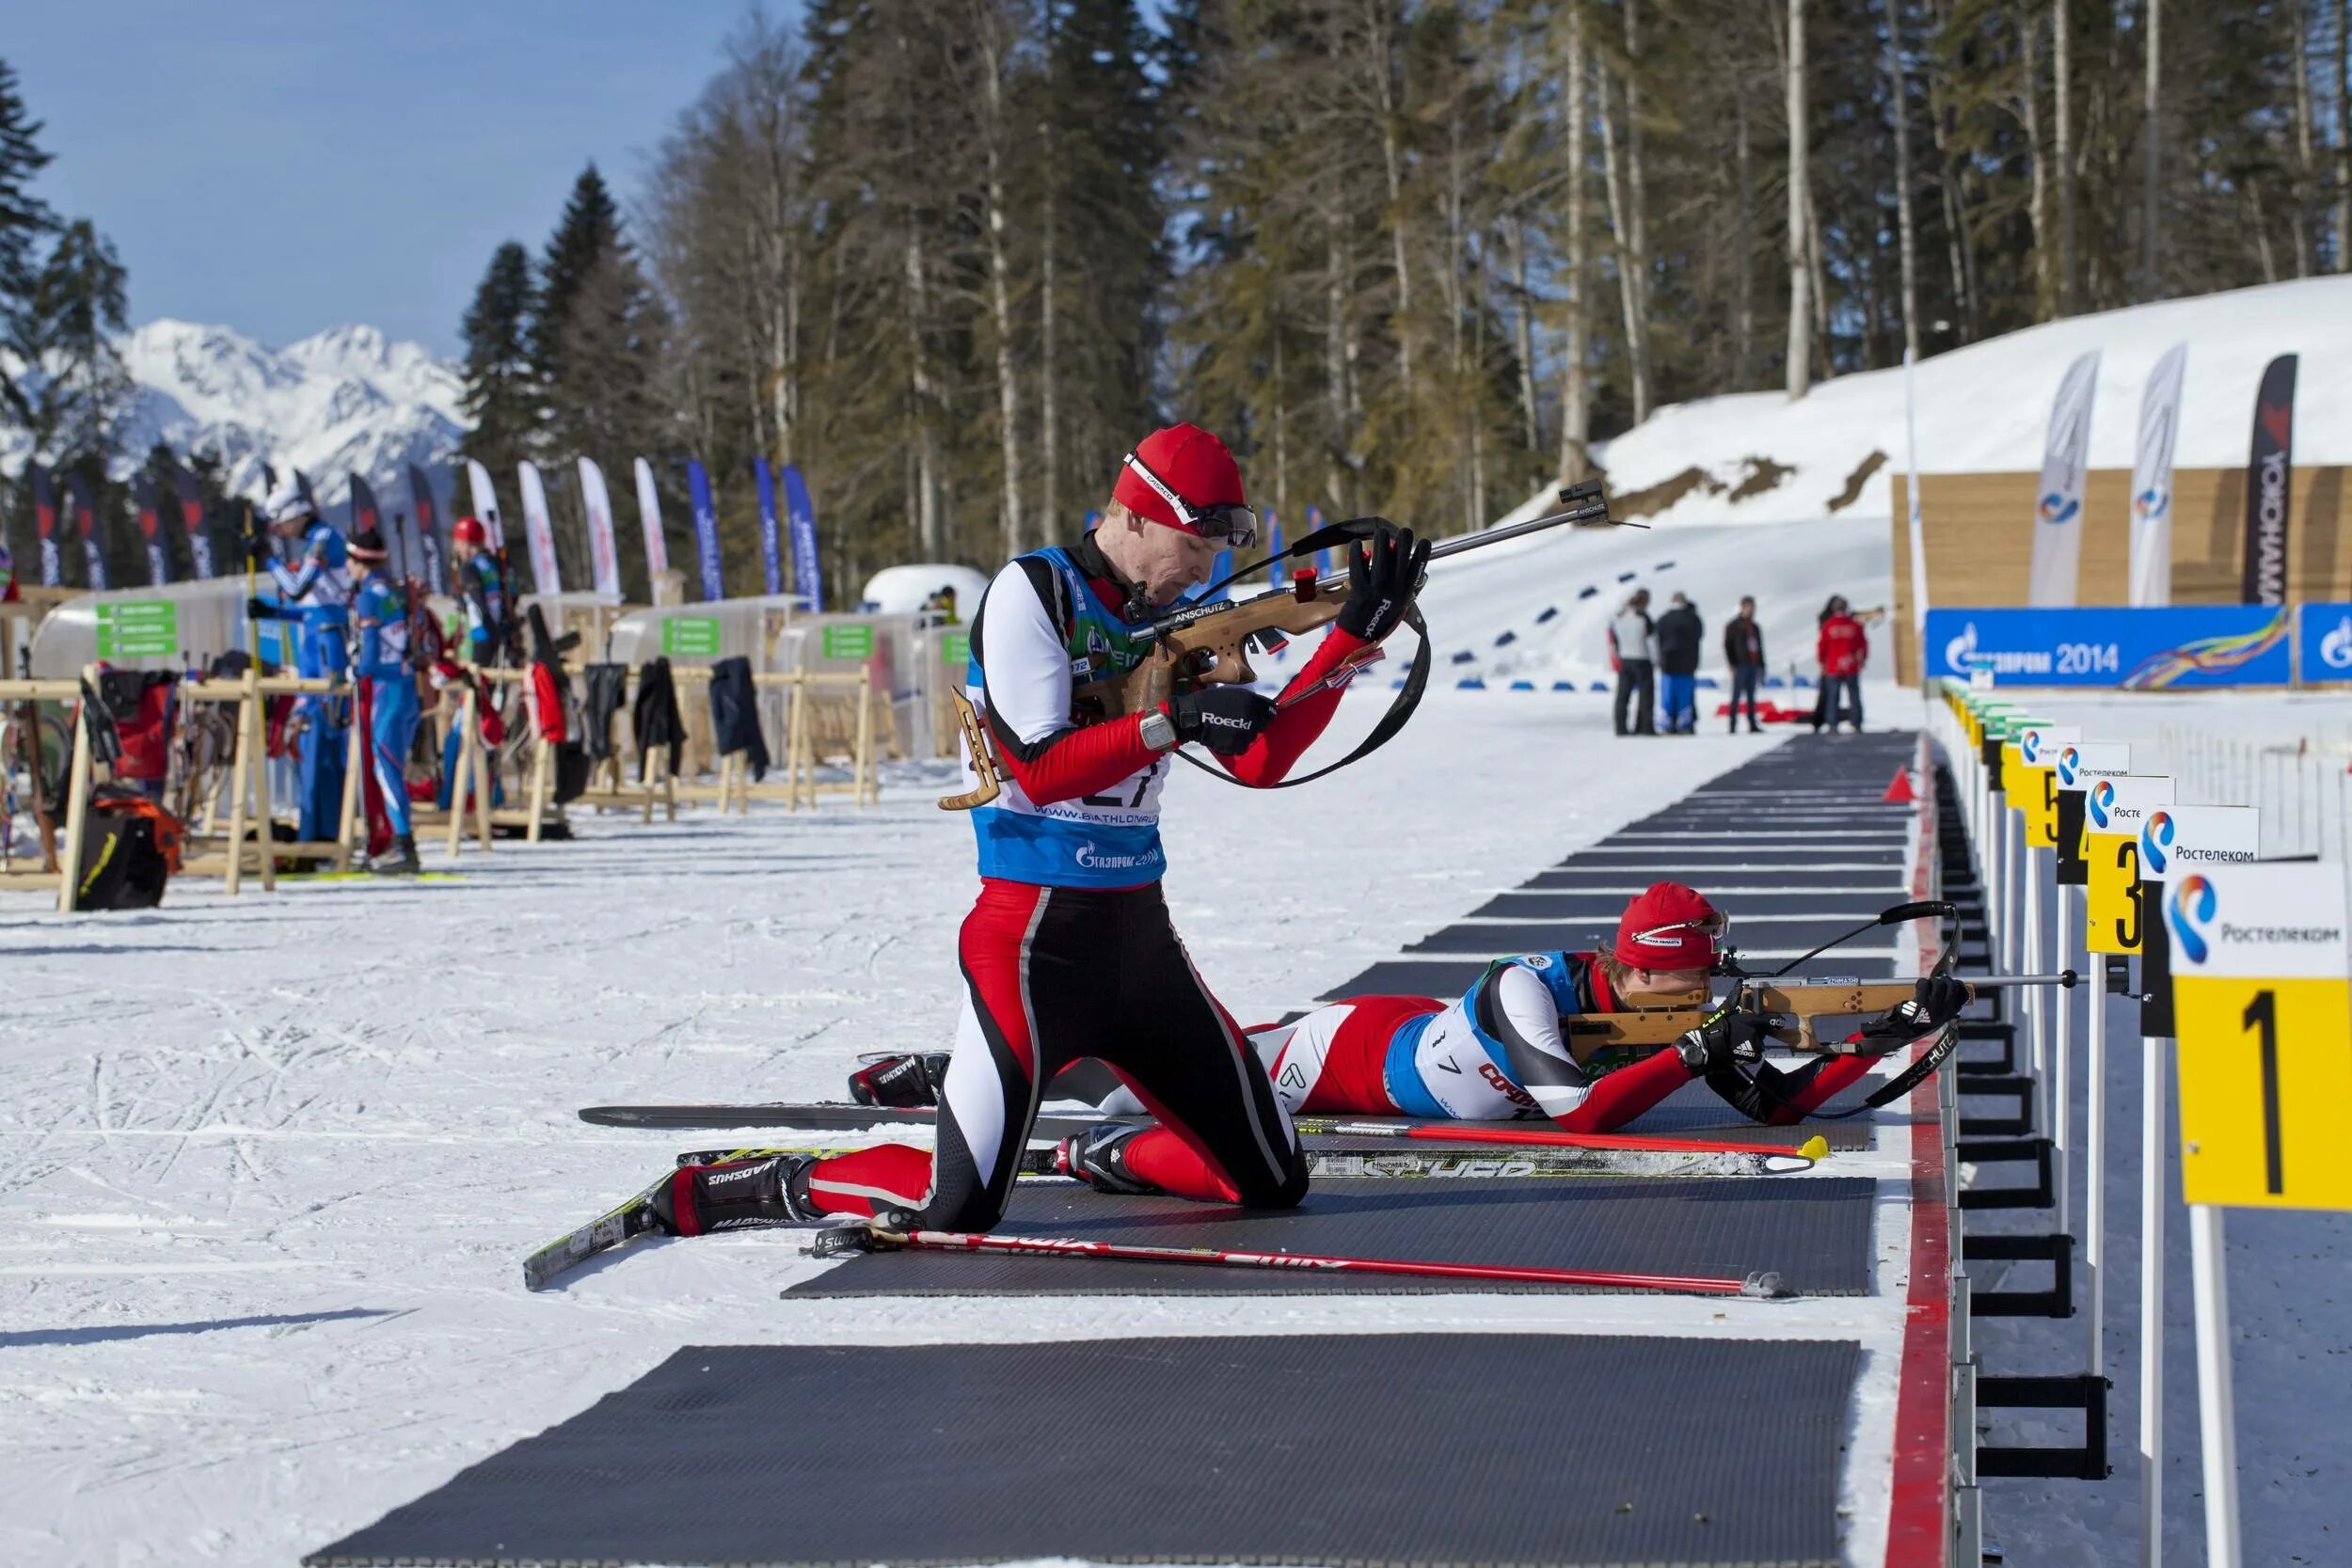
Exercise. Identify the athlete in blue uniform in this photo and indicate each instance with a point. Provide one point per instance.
(379, 616)
(1069, 952)
(312, 575)
(484, 594)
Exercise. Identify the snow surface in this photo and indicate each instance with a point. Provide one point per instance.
(267, 1167)
(342, 401)
(1986, 407)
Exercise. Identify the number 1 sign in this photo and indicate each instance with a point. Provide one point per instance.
(2263, 1008)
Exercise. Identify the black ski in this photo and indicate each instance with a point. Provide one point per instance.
(817, 1118)
(1381, 1159)
(615, 1227)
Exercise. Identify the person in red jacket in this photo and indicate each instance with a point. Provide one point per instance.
(1843, 648)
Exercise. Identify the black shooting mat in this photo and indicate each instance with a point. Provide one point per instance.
(1815, 1231)
(1726, 853)
(1589, 935)
(1745, 909)
(1633, 878)
(1448, 978)
(1241, 1449)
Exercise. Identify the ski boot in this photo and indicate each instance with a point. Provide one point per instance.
(896, 1080)
(1098, 1157)
(402, 862)
(738, 1194)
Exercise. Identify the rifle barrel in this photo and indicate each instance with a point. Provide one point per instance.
(1589, 511)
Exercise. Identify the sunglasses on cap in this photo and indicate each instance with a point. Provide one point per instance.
(1230, 525)
(1716, 926)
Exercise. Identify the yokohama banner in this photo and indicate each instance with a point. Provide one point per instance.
(45, 519)
(192, 520)
(2057, 536)
(485, 504)
(649, 514)
(604, 560)
(705, 530)
(2152, 480)
(2269, 474)
(151, 529)
(770, 531)
(807, 580)
(547, 576)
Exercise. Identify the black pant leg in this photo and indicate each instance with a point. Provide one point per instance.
(1181, 1048)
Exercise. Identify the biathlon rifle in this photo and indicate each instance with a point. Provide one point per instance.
(1792, 1010)
(1208, 644)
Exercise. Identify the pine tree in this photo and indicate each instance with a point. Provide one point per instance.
(501, 398)
(588, 231)
(24, 220)
(65, 324)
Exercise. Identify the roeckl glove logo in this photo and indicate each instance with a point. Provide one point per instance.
(2102, 800)
(2155, 837)
(1220, 720)
(2188, 912)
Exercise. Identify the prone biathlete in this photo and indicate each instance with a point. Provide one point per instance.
(379, 621)
(1069, 952)
(1500, 1052)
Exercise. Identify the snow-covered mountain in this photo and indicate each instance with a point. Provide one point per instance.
(342, 401)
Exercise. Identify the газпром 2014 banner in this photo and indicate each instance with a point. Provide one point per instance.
(2175, 645)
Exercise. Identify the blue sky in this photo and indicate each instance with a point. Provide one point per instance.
(280, 168)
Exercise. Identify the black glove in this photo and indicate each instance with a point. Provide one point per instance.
(256, 545)
(1935, 1001)
(1729, 1038)
(1225, 719)
(911, 1080)
(261, 609)
(1383, 574)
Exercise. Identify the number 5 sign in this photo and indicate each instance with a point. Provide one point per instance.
(2264, 1010)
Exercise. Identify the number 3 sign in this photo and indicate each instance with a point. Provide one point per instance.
(2263, 1009)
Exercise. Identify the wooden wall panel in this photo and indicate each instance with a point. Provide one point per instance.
(1978, 530)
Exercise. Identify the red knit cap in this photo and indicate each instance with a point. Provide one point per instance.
(1190, 462)
(1670, 926)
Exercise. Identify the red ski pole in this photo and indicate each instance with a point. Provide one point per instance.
(861, 1237)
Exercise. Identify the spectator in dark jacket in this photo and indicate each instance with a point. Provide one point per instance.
(1680, 635)
(1743, 650)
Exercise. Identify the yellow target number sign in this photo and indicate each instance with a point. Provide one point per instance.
(2263, 1009)
(2032, 778)
(2114, 811)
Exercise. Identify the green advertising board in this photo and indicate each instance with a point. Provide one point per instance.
(850, 641)
(139, 629)
(690, 637)
(955, 649)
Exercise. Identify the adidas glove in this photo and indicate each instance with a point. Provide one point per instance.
(1728, 1039)
(1935, 1001)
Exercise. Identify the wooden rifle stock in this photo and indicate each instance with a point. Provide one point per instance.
(1792, 1011)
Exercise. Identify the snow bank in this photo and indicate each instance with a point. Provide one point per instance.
(1986, 407)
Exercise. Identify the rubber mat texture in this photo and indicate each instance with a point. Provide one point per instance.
(1813, 1232)
(1257, 1450)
